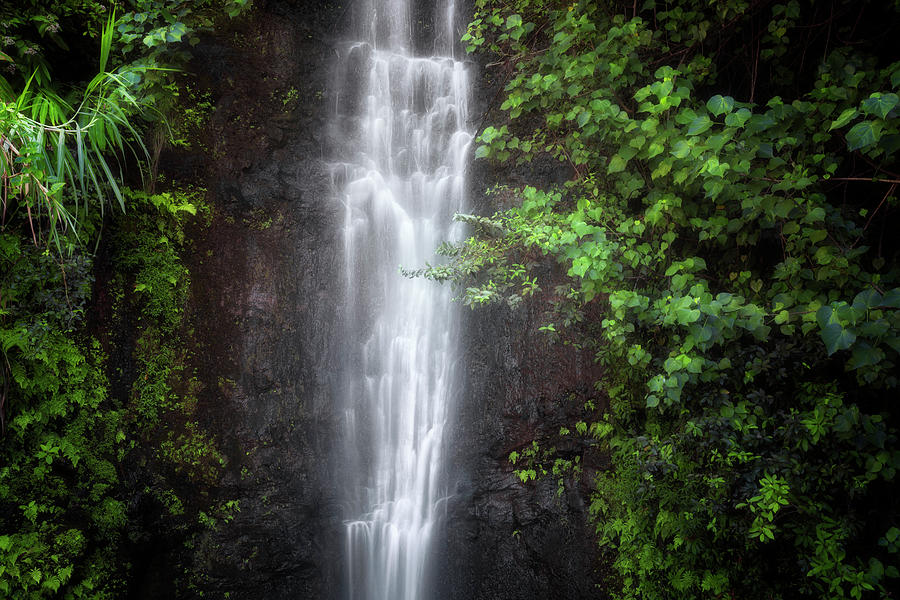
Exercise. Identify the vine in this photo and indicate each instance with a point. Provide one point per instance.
(725, 217)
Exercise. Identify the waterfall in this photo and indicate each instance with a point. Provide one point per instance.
(401, 178)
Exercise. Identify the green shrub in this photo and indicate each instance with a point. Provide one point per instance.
(723, 242)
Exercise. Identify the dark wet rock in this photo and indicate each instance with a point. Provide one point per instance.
(264, 295)
(507, 539)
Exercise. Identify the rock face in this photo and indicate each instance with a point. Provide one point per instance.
(507, 539)
(267, 284)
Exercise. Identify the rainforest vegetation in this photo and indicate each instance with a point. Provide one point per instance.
(728, 239)
(725, 247)
(89, 95)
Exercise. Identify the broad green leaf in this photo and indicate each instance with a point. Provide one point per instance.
(891, 298)
(583, 117)
(844, 118)
(758, 123)
(580, 266)
(816, 214)
(824, 316)
(616, 164)
(513, 21)
(488, 135)
(685, 316)
(836, 337)
(581, 228)
(738, 118)
(880, 104)
(863, 135)
(699, 125)
(867, 299)
(719, 105)
(681, 149)
(864, 355)
(175, 32)
(894, 343)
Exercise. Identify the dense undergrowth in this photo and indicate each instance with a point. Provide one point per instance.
(98, 420)
(727, 233)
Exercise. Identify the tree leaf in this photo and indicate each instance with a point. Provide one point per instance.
(894, 343)
(867, 299)
(880, 104)
(844, 118)
(681, 149)
(891, 298)
(719, 105)
(824, 316)
(863, 135)
(685, 316)
(699, 125)
(864, 355)
(616, 164)
(836, 337)
(583, 117)
(738, 118)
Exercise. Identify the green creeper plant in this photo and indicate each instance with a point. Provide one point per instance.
(722, 242)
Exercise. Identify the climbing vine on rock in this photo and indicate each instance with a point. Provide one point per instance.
(726, 234)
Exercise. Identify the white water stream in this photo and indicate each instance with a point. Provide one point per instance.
(402, 179)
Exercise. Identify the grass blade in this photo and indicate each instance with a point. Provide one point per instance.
(106, 40)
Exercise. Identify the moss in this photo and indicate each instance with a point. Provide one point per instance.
(189, 122)
(180, 460)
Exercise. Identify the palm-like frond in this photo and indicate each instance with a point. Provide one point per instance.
(55, 156)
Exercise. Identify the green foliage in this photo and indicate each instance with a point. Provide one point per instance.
(154, 25)
(189, 123)
(63, 439)
(161, 427)
(32, 32)
(725, 260)
(60, 508)
(62, 145)
(150, 242)
(158, 34)
(487, 254)
(53, 152)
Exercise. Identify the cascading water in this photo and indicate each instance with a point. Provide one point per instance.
(401, 181)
